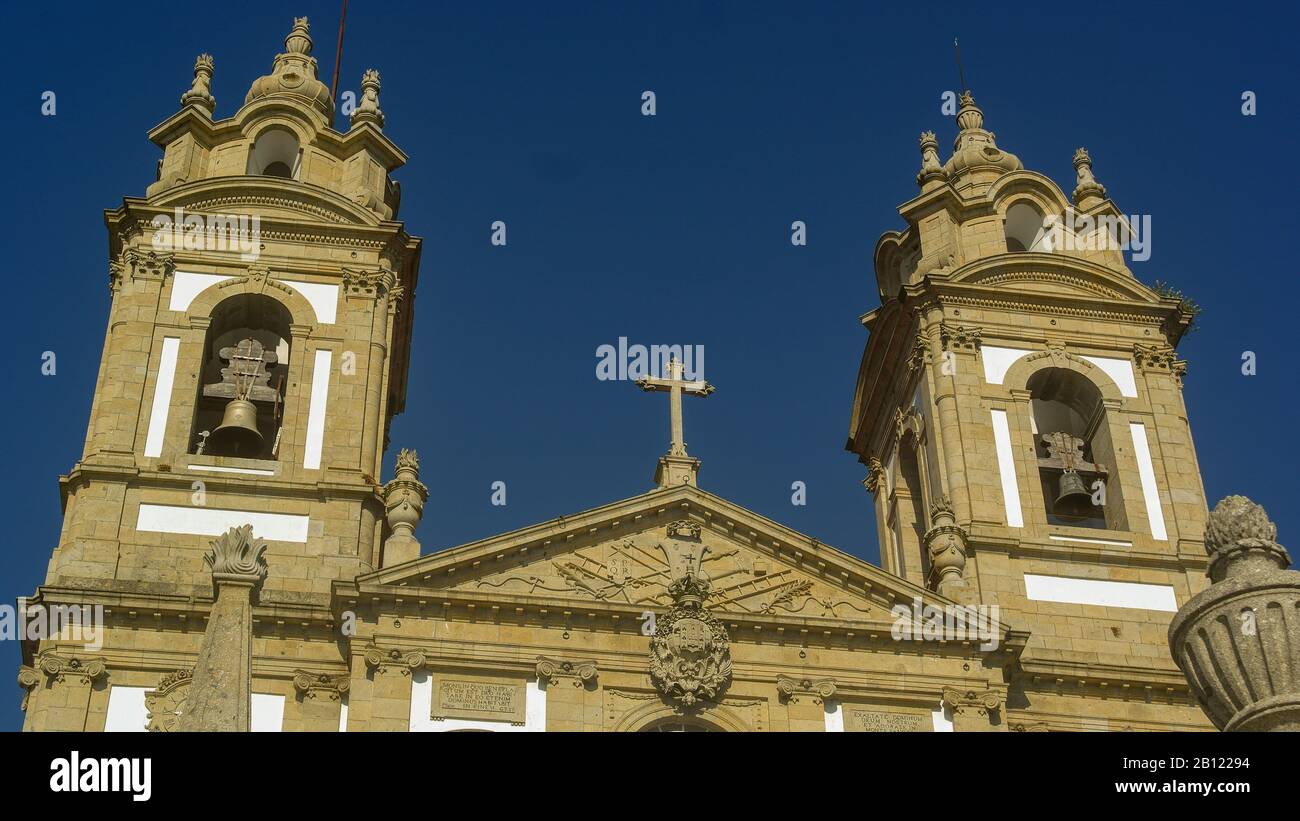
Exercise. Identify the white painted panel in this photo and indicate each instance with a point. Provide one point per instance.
(942, 718)
(1064, 590)
(268, 713)
(162, 396)
(186, 286)
(997, 361)
(208, 521)
(1007, 469)
(422, 708)
(1089, 541)
(324, 299)
(126, 710)
(1147, 473)
(343, 714)
(220, 469)
(834, 717)
(1120, 370)
(320, 391)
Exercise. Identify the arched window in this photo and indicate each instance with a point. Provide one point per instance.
(241, 391)
(1076, 462)
(678, 725)
(1026, 230)
(274, 154)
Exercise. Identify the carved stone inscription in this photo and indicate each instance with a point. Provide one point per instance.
(477, 698)
(869, 721)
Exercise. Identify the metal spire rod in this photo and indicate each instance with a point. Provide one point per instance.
(961, 77)
(338, 53)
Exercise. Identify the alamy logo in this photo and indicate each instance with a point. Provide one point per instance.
(1104, 232)
(77, 774)
(208, 232)
(633, 362)
(952, 622)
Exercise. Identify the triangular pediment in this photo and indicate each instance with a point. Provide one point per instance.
(629, 552)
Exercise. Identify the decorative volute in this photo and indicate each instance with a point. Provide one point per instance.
(293, 75)
(975, 152)
(1236, 641)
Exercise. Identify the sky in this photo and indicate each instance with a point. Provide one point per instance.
(671, 229)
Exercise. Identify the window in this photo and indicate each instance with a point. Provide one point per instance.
(909, 514)
(1076, 464)
(241, 390)
(274, 154)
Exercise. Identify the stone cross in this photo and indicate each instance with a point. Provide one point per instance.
(675, 386)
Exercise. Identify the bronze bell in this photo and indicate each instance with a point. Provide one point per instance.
(238, 434)
(1073, 500)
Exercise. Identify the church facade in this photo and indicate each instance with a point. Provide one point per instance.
(1019, 412)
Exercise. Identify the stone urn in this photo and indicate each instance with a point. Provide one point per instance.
(1238, 641)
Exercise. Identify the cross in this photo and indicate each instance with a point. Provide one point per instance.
(675, 385)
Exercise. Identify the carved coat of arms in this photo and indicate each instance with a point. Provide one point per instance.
(690, 653)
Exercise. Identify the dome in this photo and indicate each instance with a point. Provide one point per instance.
(975, 148)
(294, 75)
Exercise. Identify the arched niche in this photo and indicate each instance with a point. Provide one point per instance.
(276, 152)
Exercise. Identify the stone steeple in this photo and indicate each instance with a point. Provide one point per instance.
(293, 75)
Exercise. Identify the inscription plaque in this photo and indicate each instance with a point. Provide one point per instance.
(477, 698)
(871, 721)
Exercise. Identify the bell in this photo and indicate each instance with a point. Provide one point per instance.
(238, 434)
(1074, 500)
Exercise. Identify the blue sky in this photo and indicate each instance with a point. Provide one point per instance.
(668, 229)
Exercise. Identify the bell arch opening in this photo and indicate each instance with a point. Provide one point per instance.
(1026, 230)
(275, 153)
(1075, 451)
(242, 381)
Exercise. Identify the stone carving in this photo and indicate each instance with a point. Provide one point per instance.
(946, 544)
(166, 704)
(919, 357)
(971, 702)
(1159, 358)
(690, 652)
(1088, 192)
(28, 678)
(200, 93)
(392, 659)
(553, 671)
(875, 475)
(958, 337)
(369, 284)
(237, 552)
(368, 107)
(684, 529)
(796, 690)
(149, 264)
(404, 498)
(1235, 640)
(321, 686)
(931, 170)
(70, 669)
(1060, 357)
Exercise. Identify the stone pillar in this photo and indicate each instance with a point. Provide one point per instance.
(404, 499)
(567, 685)
(1236, 641)
(390, 693)
(974, 711)
(322, 699)
(805, 702)
(220, 698)
(59, 691)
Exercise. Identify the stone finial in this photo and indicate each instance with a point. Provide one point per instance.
(969, 115)
(237, 552)
(200, 93)
(298, 41)
(1088, 191)
(931, 171)
(1242, 541)
(404, 498)
(368, 108)
(1234, 641)
(946, 543)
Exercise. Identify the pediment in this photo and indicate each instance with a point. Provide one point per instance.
(1053, 275)
(629, 552)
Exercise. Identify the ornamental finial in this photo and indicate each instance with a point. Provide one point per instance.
(1088, 192)
(200, 93)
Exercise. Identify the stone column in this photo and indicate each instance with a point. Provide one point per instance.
(1236, 641)
(220, 698)
(974, 711)
(390, 693)
(567, 685)
(61, 702)
(322, 699)
(805, 702)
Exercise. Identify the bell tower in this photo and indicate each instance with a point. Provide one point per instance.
(1019, 409)
(257, 345)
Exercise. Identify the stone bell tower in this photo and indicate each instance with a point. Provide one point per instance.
(1019, 409)
(257, 350)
